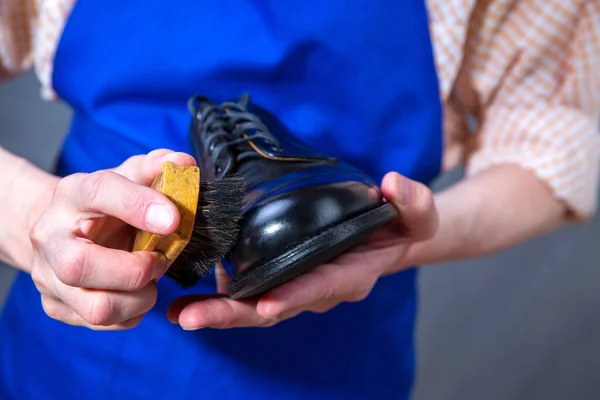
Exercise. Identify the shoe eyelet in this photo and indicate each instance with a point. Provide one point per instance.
(275, 148)
(219, 167)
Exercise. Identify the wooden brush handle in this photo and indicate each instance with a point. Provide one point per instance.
(182, 186)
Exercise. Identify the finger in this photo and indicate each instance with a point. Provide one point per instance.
(109, 193)
(41, 273)
(328, 284)
(143, 169)
(78, 262)
(195, 312)
(415, 202)
(59, 311)
(222, 278)
(106, 308)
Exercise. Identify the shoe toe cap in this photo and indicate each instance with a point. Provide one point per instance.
(278, 223)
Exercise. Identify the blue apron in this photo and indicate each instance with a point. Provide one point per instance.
(354, 78)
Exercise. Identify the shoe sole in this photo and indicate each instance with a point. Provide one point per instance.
(310, 253)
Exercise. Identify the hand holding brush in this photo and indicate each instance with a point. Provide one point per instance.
(82, 263)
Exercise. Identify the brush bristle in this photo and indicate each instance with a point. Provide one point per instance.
(215, 230)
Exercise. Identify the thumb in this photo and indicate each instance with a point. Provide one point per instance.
(143, 168)
(418, 217)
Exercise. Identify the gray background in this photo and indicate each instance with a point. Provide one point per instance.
(521, 325)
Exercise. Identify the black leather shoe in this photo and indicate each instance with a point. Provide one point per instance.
(301, 208)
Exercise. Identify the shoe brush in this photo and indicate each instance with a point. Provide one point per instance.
(210, 213)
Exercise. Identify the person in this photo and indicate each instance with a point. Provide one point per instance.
(405, 90)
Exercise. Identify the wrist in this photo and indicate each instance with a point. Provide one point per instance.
(29, 192)
(39, 186)
(486, 213)
(448, 243)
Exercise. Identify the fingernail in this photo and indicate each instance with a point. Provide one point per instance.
(160, 266)
(192, 329)
(402, 187)
(159, 217)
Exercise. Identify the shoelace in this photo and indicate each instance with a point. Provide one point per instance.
(226, 125)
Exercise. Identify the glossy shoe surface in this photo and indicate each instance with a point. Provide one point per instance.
(301, 208)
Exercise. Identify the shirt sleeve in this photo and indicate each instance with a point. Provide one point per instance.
(542, 111)
(17, 24)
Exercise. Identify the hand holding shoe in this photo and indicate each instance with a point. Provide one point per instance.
(348, 278)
